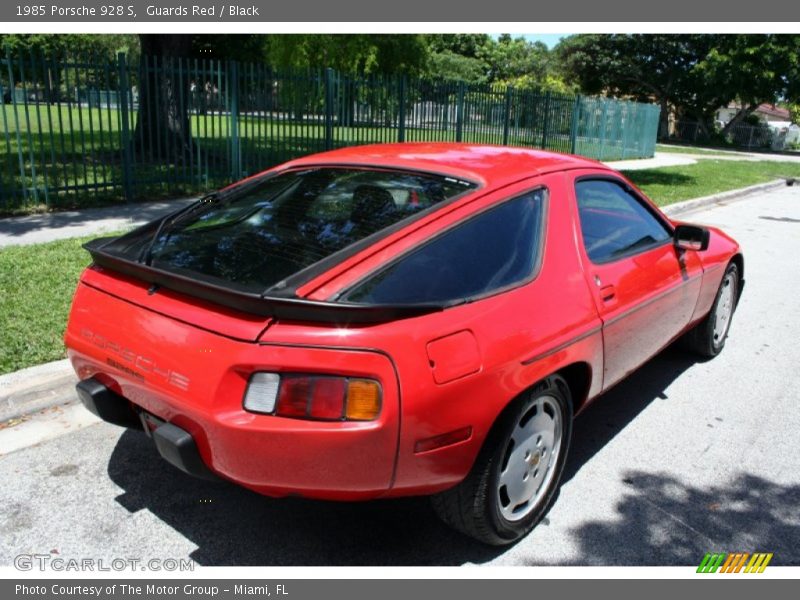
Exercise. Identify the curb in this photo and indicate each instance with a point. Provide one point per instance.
(36, 388)
(43, 386)
(704, 201)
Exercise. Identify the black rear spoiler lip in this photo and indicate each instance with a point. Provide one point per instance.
(287, 309)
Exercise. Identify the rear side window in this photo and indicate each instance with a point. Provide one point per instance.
(614, 223)
(488, 253)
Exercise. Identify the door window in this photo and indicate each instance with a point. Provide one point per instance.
(615, 223)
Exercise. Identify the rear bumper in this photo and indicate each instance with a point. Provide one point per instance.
(174, 444)
(196, 380)
(271, 455)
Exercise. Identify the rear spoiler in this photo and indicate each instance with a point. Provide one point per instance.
(289, 309)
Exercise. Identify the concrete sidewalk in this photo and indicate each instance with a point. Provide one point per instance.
(46, 227)
(674, 159)
(722, 154)
(661, 159)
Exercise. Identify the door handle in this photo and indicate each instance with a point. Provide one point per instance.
(608, 292)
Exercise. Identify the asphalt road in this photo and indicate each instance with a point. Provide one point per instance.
(682, 458)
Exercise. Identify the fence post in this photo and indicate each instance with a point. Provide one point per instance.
(546, 122)
(127, 179)
(329, 108)
(401, 113)
(12, 86)
(236, 153)
(603, 127)
(576, 120)
(507, 114)
(460, 112)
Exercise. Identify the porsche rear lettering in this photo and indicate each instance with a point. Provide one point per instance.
(136, 363)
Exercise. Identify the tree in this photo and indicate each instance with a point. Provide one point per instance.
(478, 58)
(350, 54)
(794, 111)
(468, 45)
(693, 75)
(642, 67)
(448, 65)
(512, 58)
(551, 82)
(163, 117)
(752, 69)
(247, 48)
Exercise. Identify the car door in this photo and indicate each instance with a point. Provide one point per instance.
(645, 289)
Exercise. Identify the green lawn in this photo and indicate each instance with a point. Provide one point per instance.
(673, 184)
(37, 284)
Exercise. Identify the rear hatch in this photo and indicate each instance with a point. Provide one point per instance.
(234, 261)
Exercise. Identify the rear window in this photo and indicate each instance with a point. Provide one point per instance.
(256, 237)
(491, 252)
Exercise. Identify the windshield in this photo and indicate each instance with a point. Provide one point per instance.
(257, 237)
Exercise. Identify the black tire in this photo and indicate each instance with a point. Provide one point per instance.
(475, 506)
(704, 339)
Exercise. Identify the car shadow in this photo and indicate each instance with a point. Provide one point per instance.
(233, 526)
(610, 413)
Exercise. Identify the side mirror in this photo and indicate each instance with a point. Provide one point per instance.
(691, 237)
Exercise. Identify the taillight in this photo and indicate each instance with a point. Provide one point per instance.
(363, 400)
(261, 392)
(328, 398)
(293, 396)
(320, 397)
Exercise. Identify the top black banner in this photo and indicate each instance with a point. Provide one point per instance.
(441, 11)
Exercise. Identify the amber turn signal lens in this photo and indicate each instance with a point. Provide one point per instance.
(363, 400)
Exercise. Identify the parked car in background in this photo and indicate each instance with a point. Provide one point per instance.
(395, 320)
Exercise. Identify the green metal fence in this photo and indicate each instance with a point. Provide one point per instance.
(78, 132)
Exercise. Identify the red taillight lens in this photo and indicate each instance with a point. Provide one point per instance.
(327, 399)
(293, 396)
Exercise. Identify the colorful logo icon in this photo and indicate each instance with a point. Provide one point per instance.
(735, 562)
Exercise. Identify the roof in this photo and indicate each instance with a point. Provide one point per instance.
(774, 111)
(484, 164)
(767, 109)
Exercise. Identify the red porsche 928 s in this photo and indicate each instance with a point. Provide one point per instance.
(394, 320)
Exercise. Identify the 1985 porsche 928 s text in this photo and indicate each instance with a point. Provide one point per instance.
(394, 320)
